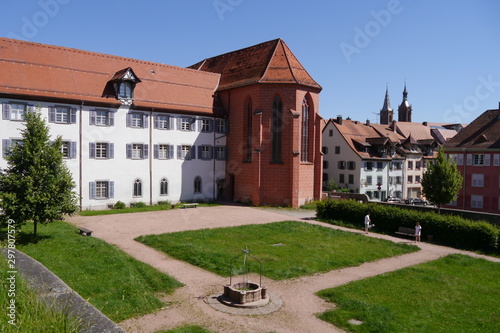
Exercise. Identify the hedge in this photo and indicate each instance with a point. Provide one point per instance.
(448, 230)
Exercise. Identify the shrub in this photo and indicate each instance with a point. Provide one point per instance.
(139, 204)
(119, 205)
(448, 230)
(164, 203)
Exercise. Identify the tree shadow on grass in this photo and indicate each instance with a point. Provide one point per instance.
(23, 238)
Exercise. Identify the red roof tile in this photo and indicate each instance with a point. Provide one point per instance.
(268, 62)
(482, 133)
(33, 70)
(417, 130)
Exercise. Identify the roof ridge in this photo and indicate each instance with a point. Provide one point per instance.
(282, 43)
(269, 60)
(92, 53)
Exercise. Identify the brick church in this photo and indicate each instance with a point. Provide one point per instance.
(242, 126)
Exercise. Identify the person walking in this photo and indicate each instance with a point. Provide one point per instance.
(418, 232)
(367, 223)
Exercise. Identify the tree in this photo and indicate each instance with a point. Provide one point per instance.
(442, 181)
(36, 186)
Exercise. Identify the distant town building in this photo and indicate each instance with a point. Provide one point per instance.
(382, 160)
(476, 150)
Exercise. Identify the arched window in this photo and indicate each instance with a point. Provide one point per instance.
(277, 129)
(164, 186)
(249, 131)
(125, 90)
(304, 144)
(197, 184)
(137, 188)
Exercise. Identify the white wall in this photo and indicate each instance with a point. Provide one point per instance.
(122, 170)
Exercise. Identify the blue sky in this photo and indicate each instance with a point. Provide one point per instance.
(447, 51)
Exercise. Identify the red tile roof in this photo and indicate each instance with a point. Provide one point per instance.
(355, 132)
(268, 62)
(416, 130)
(388, 132)
(482, 133)
(46, 72)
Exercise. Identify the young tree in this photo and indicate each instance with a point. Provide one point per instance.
(442, 181)
(36, 185)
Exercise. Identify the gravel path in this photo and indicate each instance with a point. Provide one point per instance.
(190, 305)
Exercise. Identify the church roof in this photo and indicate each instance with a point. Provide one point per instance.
(387, 101)
(46, 72)
(268, 62)
(482, 133)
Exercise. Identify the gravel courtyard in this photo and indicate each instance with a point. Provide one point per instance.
(189, 305)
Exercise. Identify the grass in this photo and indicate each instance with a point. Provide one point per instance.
(456, 293)
(115, 283)
(31, 315)
(287, 249)
(153, 208)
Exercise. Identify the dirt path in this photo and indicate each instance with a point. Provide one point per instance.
(188, 305)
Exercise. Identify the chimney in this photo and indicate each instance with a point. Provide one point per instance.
(339, 120)
(367, 122)
(394, 125)
(425, 123)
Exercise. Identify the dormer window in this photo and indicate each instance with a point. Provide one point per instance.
(125, 91)
(122, 86)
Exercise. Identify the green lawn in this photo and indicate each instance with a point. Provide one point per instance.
(29, 314)
(118, 285)
(287, 249)
(452, 294)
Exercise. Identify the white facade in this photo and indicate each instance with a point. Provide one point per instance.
(374, 177)
(340, 163)
(396, 179)
(123, 154)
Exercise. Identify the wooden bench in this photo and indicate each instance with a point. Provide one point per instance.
(85, 232)
(190, 205)
(405, 231)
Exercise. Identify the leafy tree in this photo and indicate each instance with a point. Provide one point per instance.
(36, 186)
(442, 181)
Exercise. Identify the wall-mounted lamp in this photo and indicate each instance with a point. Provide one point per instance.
(296, 153)
(256, 151)
(257, 112)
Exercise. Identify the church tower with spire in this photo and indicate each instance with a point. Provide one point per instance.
(404, 110)
(386, 113)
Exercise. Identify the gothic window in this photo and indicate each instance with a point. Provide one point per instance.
(304, 154)
(249, 130)
(277, 130)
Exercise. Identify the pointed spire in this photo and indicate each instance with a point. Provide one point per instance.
(387, 102)
(405, 93)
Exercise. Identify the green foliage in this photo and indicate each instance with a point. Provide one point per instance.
(115, 283)
(442, 181)
(287, 249)
(139, 204)
(456, 293)
(448, 230)
(36, 186)
(164, 203)
(32, 316)
(119, 205)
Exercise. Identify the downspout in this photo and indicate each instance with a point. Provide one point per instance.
(151, 152)
(80, 165)
(214, 155)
